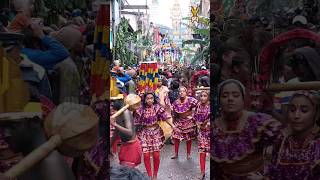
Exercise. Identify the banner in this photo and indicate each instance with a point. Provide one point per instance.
(148, 77)
(100, 66)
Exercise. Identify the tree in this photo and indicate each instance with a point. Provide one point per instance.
(202, 29)
(124, 40)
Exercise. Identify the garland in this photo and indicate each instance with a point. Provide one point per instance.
(269, 51)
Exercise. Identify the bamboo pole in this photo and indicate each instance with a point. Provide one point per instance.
(34, 157)
(202, 88)
(312, 85)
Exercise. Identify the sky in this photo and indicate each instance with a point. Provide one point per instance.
(164, 14)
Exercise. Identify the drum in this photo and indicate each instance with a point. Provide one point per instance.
(167, 129)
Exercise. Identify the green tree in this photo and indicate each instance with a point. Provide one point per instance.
(125, 38)
(204, 32)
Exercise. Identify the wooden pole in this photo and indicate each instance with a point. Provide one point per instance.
(312, 85)
(202, 88)
(34, 157)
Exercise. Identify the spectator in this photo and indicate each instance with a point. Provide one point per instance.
(54, 51)
(174, 91)
(226, 54)
(22, 122)
(122, 78)
(68, 71)
(305, 64)
(24, 9)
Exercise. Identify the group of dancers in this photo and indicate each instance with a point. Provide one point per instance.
(141, 134)
(249, 145)
(245, 144)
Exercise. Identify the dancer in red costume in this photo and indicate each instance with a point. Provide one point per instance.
(202, 118)
(183, 120)
(150, 133)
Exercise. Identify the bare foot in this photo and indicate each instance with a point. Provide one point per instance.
(154, 178)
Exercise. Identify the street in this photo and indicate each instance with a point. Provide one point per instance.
(178, 169)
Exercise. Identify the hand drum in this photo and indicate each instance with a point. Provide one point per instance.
(131, 101)
(71, 128)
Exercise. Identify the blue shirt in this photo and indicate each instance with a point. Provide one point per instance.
(54, 54)
(125, 78)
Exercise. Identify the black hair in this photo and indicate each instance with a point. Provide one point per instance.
(205, 81)
(224, 49)
(117, 104)
(296, 58)
(156, 99)
(164, 81)
(175, 85)
(25, 131)
(126, 173)
(29, 40)
(90, 37)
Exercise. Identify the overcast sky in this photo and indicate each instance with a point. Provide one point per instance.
(163, 15)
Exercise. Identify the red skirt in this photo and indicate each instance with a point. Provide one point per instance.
(130, 153)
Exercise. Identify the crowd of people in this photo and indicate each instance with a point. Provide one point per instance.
(257, 133)
(43, 66)
(250, 134)
(50, 65)
(186, 115)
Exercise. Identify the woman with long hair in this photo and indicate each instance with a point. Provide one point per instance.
(295, 154)
(240, 136)
(182, 109)
(202, 117)
(149, 132)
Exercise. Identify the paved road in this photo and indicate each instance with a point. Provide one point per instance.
(181, 168)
